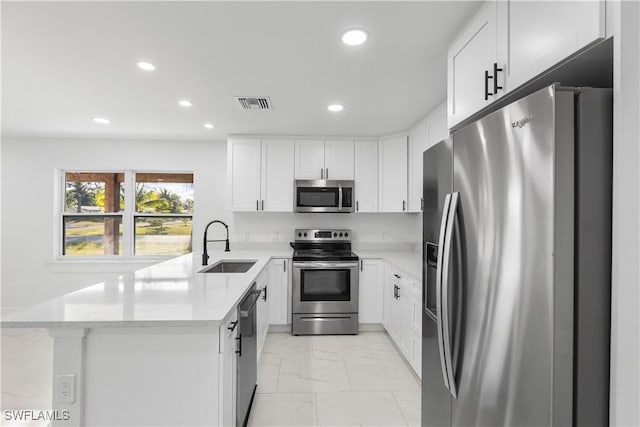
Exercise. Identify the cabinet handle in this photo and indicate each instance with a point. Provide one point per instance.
(284, 265)
(239, 350)
(398, 293)
(486, 85)
(321, 173)
(233, 326)
(357, 206)
(361, 265)
(496, 70)
(257, 205)
(404, 205)
(262, 204)
(396, 276)
(421, 203)
(264, 297)
(326, 173)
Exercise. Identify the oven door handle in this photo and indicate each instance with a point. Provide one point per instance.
(315, 264)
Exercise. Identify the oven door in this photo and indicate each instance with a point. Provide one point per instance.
(325, 287)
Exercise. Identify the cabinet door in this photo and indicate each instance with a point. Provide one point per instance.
(245, 174)
(387, 302)
(537, 35)
(417, 146)
(227, 372)
(277, 175)
(370, 291)
(469, 56)
(392, 160)
(278, 291)
(338, 160)
(366, 176)
(309, 159)
(400, 314)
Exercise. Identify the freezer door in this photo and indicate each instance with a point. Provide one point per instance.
(437, 184)
(436, 400)
(513, 171)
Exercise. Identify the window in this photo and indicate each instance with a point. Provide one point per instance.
(121, 214)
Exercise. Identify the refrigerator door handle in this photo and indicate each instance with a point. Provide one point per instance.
(446, 327)
(443, 228)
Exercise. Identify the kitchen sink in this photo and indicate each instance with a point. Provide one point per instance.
(229, 267)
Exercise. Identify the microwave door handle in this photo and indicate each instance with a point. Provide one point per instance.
(340, 198)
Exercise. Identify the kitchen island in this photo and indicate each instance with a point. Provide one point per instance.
(153, 347)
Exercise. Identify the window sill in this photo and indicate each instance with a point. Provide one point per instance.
(102, 265)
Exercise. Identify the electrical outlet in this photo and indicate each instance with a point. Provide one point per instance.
(66, 385)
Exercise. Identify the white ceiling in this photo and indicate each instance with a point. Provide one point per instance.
(64, 63)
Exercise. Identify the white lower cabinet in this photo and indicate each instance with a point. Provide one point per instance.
(370, 291)
(278, 293)
(402, 314)
(227, 370)
(262, 311)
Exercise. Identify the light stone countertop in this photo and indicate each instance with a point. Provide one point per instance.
(170, 293)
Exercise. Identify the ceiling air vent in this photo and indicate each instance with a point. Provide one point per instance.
(254, 103)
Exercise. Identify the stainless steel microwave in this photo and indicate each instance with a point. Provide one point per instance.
(323, 196)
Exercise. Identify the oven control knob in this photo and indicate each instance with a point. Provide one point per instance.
(340, 234)
(346, 234)
(305, 234)
(335, 234)
(299, 234)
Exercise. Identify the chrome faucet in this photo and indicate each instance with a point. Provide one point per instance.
(205, 256)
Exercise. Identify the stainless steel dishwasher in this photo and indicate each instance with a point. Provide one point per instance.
(247, 357)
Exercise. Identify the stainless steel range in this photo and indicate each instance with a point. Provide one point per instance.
(325, 283)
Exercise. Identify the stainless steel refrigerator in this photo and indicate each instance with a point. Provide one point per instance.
(517, 265)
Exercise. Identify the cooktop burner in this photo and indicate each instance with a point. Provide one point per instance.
(323, 245)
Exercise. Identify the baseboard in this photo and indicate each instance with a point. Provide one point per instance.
(276, 329)
(370, 327)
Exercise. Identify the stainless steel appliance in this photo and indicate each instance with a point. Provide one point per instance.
(247, 372)
(323, 196)
(517, 265)
(324, 283)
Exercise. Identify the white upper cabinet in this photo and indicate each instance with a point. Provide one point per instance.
(261, 174)
(338, 160)
(417, 146)
(277, 175)
(309, 159)
(245, 174)
(392, 161)
(533, 35)
(507, 43)
(470, 64)
(366, 176)
(316, 159)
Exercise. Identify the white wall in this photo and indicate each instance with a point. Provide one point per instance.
(29, 272)
(624, 22)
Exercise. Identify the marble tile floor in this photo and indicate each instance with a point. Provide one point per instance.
(343, 380)
(336, 381)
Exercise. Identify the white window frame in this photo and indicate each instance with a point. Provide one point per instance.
(128, 215)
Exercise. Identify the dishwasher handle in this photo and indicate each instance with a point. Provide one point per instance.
(248, 311)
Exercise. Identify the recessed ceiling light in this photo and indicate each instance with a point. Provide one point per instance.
(147, 66)
(185, 103)
(354, 37)
(208, 125)
(101, 120)
(335, 107)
